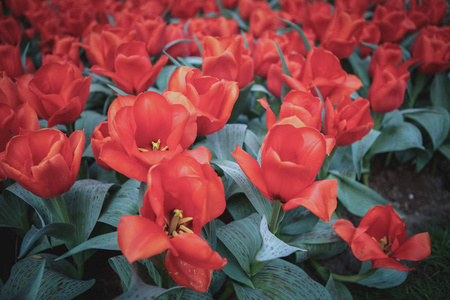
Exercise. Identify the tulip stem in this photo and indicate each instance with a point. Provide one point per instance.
(377, 121)
(61, 209)
(274, 220)
(69, 128)
(345, 278)
(419, 83)
(227, 292)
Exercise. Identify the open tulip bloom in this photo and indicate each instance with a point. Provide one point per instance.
(381, 238)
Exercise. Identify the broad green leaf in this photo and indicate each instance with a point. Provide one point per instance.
(57, 280)
(297, 221)
(13, 212)
(440, 91)
(259, 202)
(138, 289)
(382, 278)
(224, 141)
(239, 207)
(252, 142)
(318, 251)
(342, 161)
(435, 121)
(37, 203)
(88, 121)
(242, 104)
(397, 137)
(242, 239)
(84, 202)
(260, 88)
(122, 268)
(445, 149)
(125, 201)
(99, 88)
(338, 290)
(321, 233)
(356, 197)
(361, 67)
(233, 269)
(272, 247)
(106, 241)
(117, 90)
(360, 148)
(30, 290)
(217, 281)
(62, 231)
(279, 279)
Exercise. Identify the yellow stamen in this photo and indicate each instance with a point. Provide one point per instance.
(185, 220)
(174, 234)
(185, 229)
(177, 214)
(156, 145)
(143, 149)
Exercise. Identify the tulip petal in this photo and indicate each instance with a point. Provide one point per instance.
(140, 238)
(251, 168)
(319, 198)
(415, 248)
(345, 229)
(389, 263)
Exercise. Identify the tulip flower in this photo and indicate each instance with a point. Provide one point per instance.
(432, 47)
(393, 22)
(385, 54)
(183, 195)
(147, 129)
(58, 92)
(133, 71)
(291, 157)
(10, 61)
(44, 162)
(381, 238)
(213, 98)
(226, 58)
(349, 122)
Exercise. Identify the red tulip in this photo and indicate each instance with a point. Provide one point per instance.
(213, 98)
(388, 87)
(386, 54)
(133, 71)
(432, 47)
(291, 157)
(317, 17)
(342, 34)
(381, 238)
(370, 34)
(58, 93)
(393, 22)
(147, 129)
(10, 61)
(349, 122)
(45, 162)
(183, 195)
(10, 30)
(226, 58)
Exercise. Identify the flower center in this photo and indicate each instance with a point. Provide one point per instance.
(177, 225)
(384, 244)
(155, 147)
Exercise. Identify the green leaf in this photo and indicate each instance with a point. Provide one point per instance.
(252, 142)
(243, 103)
(279, 279)
(224, 141)
(163, 78)
(259, 202)
(338, 290)
(356, 197)
(239, 207)
(260, 88)
(125, 201)
(233, 269)
(318, 251)
(62, 231)
(360, 148)
(382, 278)
(88, 121)
(397, 137)
(435, 121)
(445, 149)
(99, 88)
(360, 68)
(272, 247)
(84, 202)
(242, 239)
(107, 241)
(13, 212)
(297, 221)
(31, 288)
(57, 280)
(122, 268)
(342, 161)
(440, 91)
(138, 289)
(37, 203)
(321, 233)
